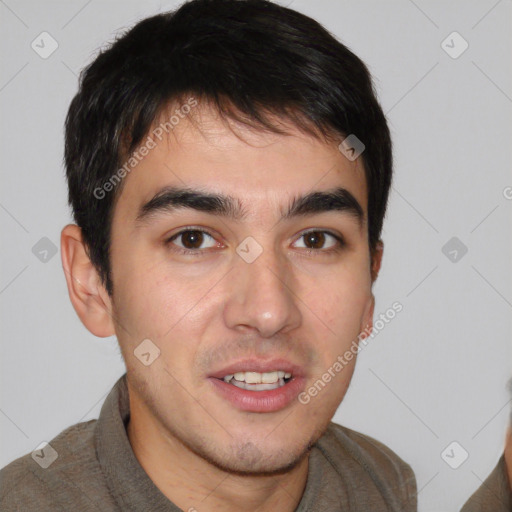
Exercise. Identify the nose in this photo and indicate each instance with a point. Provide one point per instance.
(261, 296)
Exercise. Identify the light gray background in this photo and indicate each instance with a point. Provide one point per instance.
(437, 372)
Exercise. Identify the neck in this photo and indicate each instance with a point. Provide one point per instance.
(193, 483)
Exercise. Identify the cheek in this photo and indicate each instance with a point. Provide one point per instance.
(157, 301)
(340, 299)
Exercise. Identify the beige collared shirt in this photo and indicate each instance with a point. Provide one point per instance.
(96, 470)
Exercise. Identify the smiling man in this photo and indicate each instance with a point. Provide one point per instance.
(228, 168)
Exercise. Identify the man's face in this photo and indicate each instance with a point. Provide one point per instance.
(214, 313)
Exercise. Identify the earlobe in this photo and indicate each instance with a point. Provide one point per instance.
(86, 292)
(376, 260)
(367, 323)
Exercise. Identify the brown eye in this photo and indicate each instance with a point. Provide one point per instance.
(192, 239)
(321, 241)
(314, 239)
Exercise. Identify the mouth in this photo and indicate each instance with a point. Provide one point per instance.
(259, 386)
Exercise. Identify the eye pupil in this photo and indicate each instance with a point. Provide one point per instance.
(316, 238)
(192, 239)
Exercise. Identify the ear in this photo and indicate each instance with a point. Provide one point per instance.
(88, 295)
(367, 319)
(376, 260)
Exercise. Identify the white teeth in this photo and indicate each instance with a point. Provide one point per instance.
(255, 378)
(258, 387)
(270, 377)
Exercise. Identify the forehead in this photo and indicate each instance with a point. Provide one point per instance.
(201, 150)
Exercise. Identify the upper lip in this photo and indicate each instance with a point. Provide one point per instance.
(260, 366)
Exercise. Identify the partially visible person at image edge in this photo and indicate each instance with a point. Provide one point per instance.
(495, 493)
(228, 167)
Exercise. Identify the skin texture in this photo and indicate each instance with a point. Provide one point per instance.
(209, 310)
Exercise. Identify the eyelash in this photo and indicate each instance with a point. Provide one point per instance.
(198, 252)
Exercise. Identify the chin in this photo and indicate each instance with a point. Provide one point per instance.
(252, 458)
(249, 460)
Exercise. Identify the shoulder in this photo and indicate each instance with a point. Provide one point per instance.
(364, 454)
(367, 450)
(39, 479)
(494, 494)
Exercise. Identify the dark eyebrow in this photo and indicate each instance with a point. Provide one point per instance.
(338, 199)
(170, 199)
(173, 198)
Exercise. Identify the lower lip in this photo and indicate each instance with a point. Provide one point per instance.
(260, 401)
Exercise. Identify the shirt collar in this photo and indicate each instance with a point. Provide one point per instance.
(128, 483)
